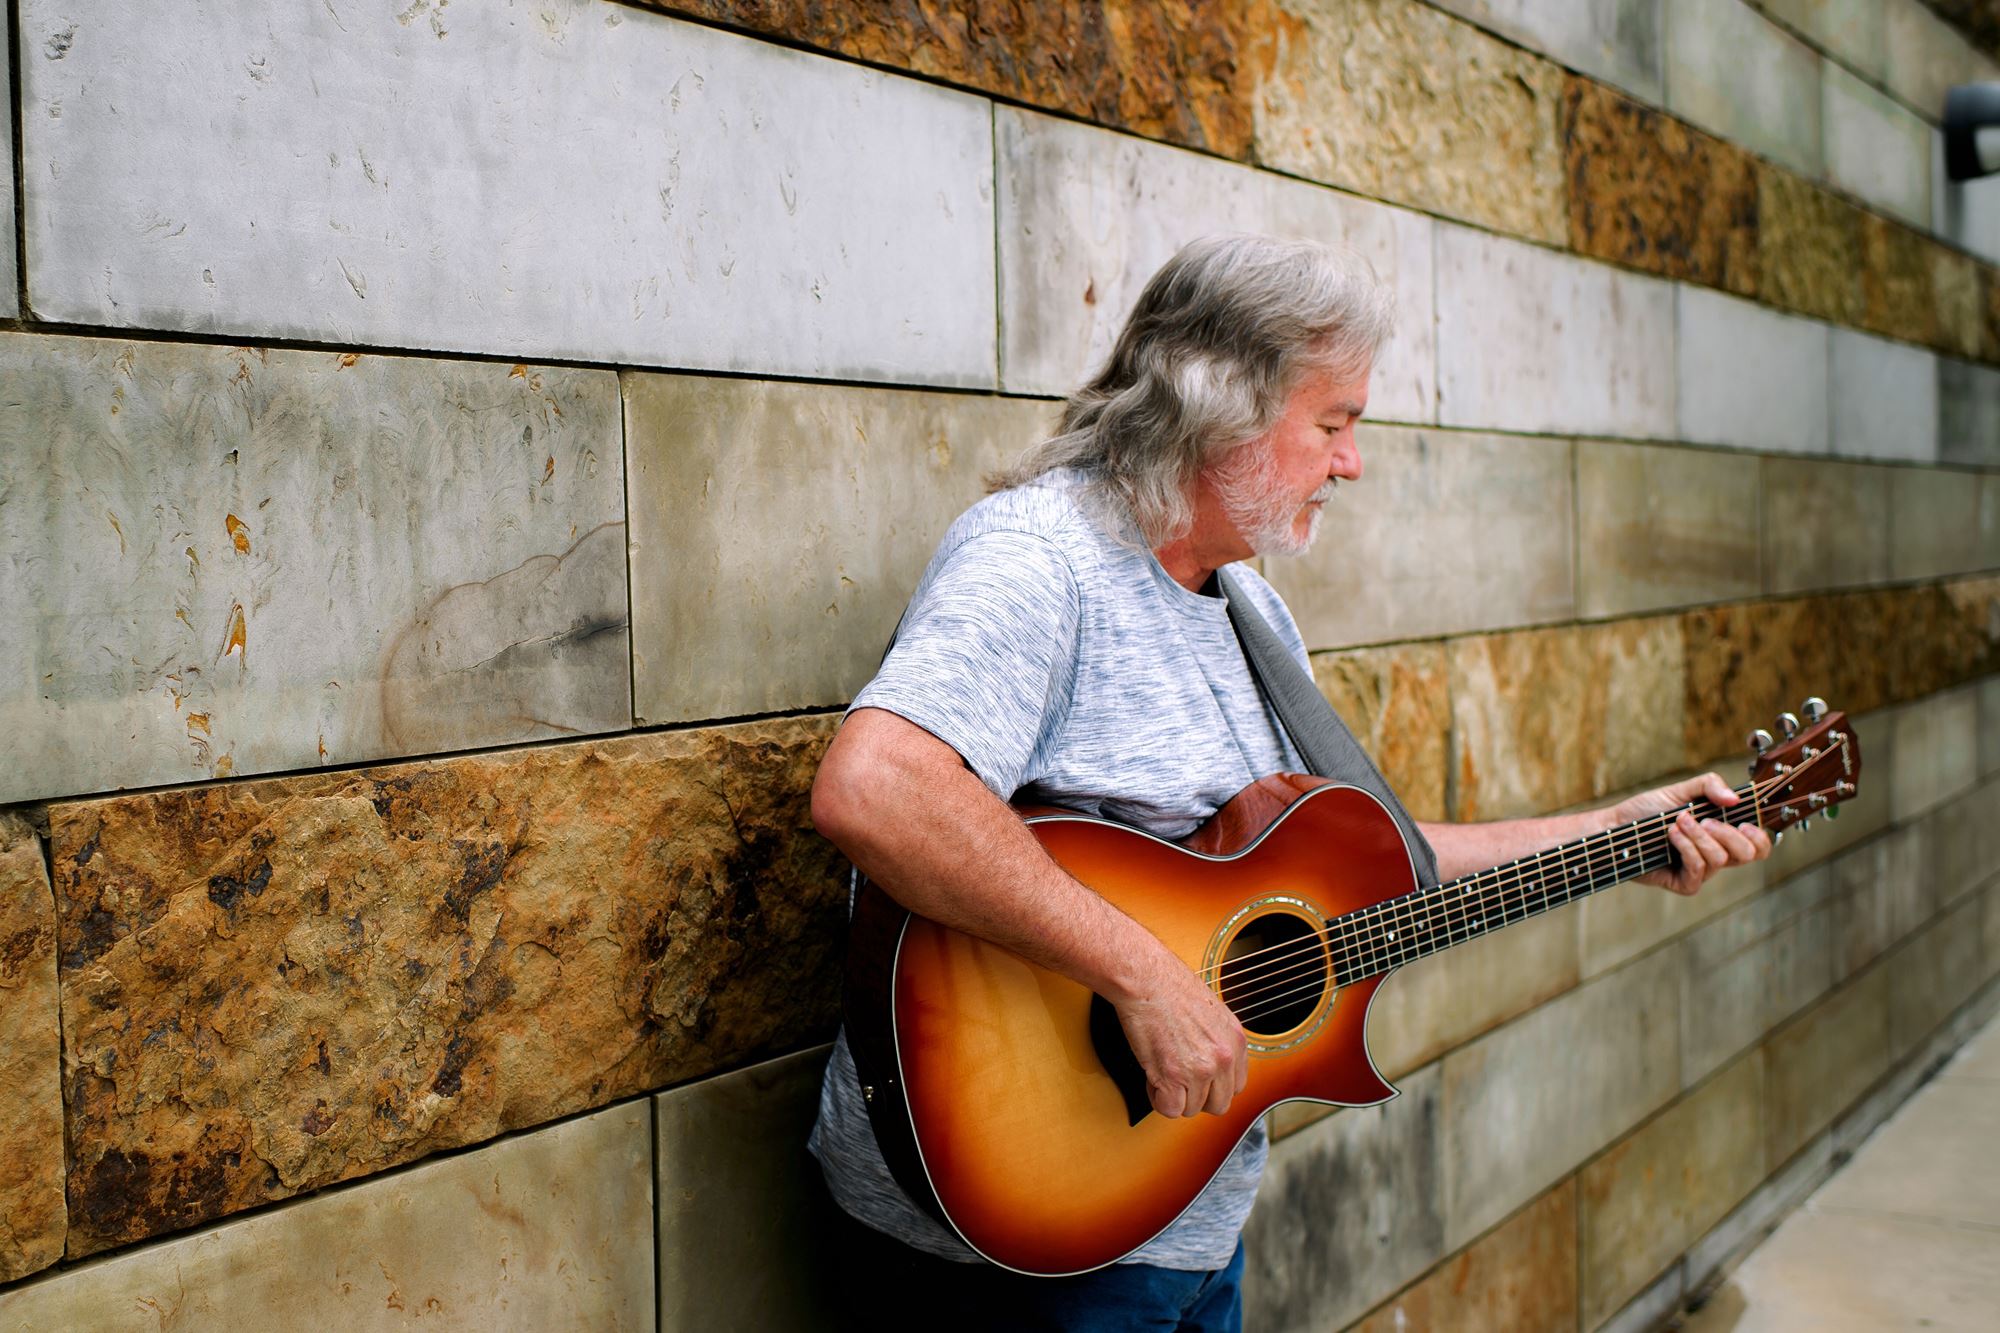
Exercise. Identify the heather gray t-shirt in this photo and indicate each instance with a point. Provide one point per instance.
(1069, 669)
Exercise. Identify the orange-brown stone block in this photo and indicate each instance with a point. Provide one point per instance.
(1397, 703)
(1176, 72)
(1957, 284)
(1898, 286)
(1989, 327)
(275, 985)
(31, 1144)
(1522, 1274)
(1648, 190)
(1808, 247)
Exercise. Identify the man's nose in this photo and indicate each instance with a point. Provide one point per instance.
(1346, 462)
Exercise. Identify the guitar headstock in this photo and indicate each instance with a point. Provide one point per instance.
(1813, 769)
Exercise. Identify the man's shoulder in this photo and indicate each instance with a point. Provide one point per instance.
(1054, 509)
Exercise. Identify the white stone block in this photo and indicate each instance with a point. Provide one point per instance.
(1748, 376)
(1531, 340)
(1738, 75)
(1087, 216)
(535, 178)
(1966, 213)
(219, 561)
(10, 276)
(1849, 30)
(1876, 148)
(1884, 398)
(1925, 56)
(1617, 41)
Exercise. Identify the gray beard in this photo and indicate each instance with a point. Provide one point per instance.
(1260, 507)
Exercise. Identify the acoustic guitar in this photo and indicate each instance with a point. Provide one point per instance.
(1004, 1096)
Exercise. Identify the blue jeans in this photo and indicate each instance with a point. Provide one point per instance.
(889, 1285)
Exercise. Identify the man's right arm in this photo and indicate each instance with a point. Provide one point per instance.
(904, 808)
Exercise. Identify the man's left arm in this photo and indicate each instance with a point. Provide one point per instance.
(1705, 846)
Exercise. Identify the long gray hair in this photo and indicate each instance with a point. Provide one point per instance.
(1205, 363)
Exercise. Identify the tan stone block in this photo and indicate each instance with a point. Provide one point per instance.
(31, 1146)
(1990, 929)
(1989, 725)
(1393, 99)
(778, 530)
(1314, 1260)
(1655, 1191)
(1935, 523)
(1826, 524)
(1880, 893)
(1932, 975)
(1748, 971)
(1989, 333)
(1663, 527)
(1551, 718)
(551, 1229)
(1964, 839)
(1176, 73)
(1937, 750)
(1808, 247)
(1439, 1003)
(1520, 1275)
(1898, 283)
(1622, 923)
(275, 985)
(1397, 702)
(1824, 1059)
(1961, 313)
(1526, 1104)
(739, 1194)
(1447, 532)
(1649, 190)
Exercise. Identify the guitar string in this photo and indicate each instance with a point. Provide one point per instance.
(1376, 956)
(1526, 878)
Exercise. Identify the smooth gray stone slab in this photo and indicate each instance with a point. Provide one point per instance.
(535, 178)
(1876, 148)
(1925, 56)
(1826, 524)
(1884, 398)
(1617, 41)
(1748, 376)
(1749, 970)
(1968, 413)
(1087, 216)
(1851, 30)
(1741, 77)
(10, 273)
(219, 561)
(1660, 526)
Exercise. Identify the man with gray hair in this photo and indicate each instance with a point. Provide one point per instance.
(1069, 645)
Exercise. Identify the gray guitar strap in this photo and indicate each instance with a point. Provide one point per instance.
(1317, 733)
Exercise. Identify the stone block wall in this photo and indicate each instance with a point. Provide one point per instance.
(459, 462)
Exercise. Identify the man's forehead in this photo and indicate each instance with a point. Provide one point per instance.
(1324, 391)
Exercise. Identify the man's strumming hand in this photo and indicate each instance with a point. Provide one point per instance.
(1705, 846)
(1192, 1048)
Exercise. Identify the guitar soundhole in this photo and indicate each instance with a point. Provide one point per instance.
(1274, 974)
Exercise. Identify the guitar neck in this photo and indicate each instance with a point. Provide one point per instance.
(1401, 930)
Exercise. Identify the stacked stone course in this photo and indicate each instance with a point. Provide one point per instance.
(458, 460)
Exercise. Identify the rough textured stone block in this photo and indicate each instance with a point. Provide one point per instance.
(1738, 75)
(1521, 1275)
(1510, 1130)
(1937, 751)
(1824, 1060)
(272, 986)
(618, 186)
(1663, 527)
(1964, 839)
(1925, 56)
(1898, 280)
(1086, 217)
(1397, 702)
(1315, 1260)
(1748, 376)
(1617, 41)
(1461, 532)
(1550, 718)
(239, 560)
(31, 1146)
(545, 1230)
(1852, 30)
(1622, 923)
(1648, 190)
(1180, 73)
(848, 490)
(1881, 892)
(1809, 252)
(1395, 100)
(1932, 975)
(1826, 525)
(1958, 287)
(1753, 968)
(739, 1195)
(1529, 340)
(1884, 398)
(1968, 413)
(1648, 1197)
(1937, 525)
(1875, 148)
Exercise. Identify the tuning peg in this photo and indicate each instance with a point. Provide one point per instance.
(1789, 724)
(1760, 740)
(1814, 708)
(1805, 825)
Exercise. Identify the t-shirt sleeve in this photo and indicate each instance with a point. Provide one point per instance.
(985, 659)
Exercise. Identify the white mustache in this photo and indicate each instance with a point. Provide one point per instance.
(1324, 493)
